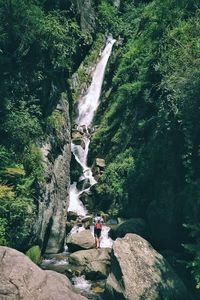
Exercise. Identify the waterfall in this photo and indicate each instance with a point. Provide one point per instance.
(87, 106)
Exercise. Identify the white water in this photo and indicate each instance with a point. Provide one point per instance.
(81, 283)
(105, 241)
(87, 106)
(89, 103)
(75, 204)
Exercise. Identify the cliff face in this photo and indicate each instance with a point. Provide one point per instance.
(53, 199)
(54, 190)
(86, 12)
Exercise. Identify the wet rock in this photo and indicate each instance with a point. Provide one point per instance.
(71, 216)
(75, 170)
(80, 241)
(83, 184)
(140, 272)
(86, 198)
(76, 134)
(77, 138)
(134, 225)
(20, 278)
(96, 262)
(69, 227)
(67, 269)
(87, 219)
(98, 167)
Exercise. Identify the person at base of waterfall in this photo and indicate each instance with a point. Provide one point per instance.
(98, 221)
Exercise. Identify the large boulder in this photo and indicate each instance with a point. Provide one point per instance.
(80, 241)
(96, 262)
(134, 225)
(21, 279)
(139, 272)
(78, 138)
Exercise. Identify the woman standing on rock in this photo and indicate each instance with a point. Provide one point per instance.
(98, 221)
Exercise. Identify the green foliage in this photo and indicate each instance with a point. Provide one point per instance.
(5, 157)
(111, 189)
(3, 224)
(41, 45)
(34, 253)
(12, 175)
(109, 18)
(21, 127)
(32, 160)
(17, 215)
(81, 78)
(194, 249)
(56, 120)
(153, 108)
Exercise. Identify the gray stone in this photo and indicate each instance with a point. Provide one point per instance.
(53, 200)
(83, 184)
(87, 14)
(87, 219)
(134, 225)
(21, 279)
(77, 138)
(139, 272)
(80, 241)
(72, 216)
(116, 3)
(99, 162)
(95, 261)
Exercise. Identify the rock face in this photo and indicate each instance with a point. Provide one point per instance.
(54, 191)
(96, 262)
(134, 225)
(77, 138)
(87, 14)
(139, 272)
(21, 279)
(80, 241)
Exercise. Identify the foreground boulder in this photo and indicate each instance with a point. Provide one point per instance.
(96, 262)
(134, 225)
(21, 279)
(139, 272)
(80, 241)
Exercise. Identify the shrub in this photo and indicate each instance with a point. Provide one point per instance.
(18, 213)
(34, 253)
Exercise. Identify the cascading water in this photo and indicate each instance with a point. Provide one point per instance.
(87, 106)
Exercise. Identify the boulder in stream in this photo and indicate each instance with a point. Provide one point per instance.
(77, 138)
(96, 262)
(72, 216)
(21, 279)
(80, 241)
(133, 225)
(139, 272)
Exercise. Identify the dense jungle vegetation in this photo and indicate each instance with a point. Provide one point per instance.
(39, 42)
(148, 121)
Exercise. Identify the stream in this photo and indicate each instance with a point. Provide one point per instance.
(87, 106)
